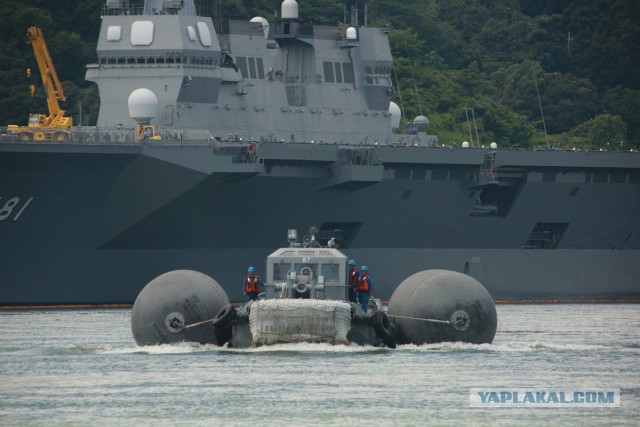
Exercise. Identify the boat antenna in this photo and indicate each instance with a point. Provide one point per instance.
(541, 113)
(466, 113)
(395, 75)
(473, 117)
(415, 86)
(217, 10)
(366, 14)
(473, 114)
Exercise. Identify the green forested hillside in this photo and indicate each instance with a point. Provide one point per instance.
(453, 58)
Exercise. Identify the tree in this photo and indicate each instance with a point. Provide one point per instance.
(625, 103)
(567, 101)
(603, 131)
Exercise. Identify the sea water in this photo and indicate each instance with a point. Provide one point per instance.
(82, 367)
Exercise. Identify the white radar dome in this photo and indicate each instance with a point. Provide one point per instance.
(465, 144)
(352, 33)
(262, 25)
(421, 120)
(493, 145)
(143, 105)
(395, 112)
(289, 9)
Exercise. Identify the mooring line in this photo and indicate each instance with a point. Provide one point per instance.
(199, 323)
(419, 318)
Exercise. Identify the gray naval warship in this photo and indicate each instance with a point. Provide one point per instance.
(258, 127)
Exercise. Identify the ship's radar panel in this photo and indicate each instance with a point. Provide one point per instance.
(316, 273)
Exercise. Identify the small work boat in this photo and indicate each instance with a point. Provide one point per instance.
(305, 299)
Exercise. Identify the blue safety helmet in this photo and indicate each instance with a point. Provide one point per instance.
(251, 270)
(352, 262)
(363, 268)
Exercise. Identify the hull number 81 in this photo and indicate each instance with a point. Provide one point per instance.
(12, 208)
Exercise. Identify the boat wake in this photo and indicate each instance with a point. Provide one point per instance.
(316, 348)
(516, 346)
(308, 348)
(293, 349)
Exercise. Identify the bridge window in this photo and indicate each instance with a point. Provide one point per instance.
(328, 71)
(260, 66)
(331, 273)
(280, 271)
(338, 69)
(241, 61)
(347, 72)
(252, 67)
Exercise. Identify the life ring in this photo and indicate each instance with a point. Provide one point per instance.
(384, 329)
(224, 316)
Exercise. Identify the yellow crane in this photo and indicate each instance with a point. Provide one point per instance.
(43, 127)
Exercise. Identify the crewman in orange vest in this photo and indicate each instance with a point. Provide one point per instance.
(365, 287)
(252, 285)
(353, 276)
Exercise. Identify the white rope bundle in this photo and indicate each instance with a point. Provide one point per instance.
(276, 321)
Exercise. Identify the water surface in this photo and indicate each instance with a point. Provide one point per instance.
(82, 367)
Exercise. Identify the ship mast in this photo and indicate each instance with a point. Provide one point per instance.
(541, 113)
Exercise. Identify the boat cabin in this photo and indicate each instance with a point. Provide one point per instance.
(307, 272)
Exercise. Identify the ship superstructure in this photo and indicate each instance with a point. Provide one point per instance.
(286, 81)
(264, 126)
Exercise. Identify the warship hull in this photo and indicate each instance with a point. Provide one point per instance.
(213, 140)
(93, 224)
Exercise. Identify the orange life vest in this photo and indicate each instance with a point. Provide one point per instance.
(251, 285)
(353, 277)
(363, 284)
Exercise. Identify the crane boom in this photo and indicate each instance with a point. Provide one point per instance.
(52, 85)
